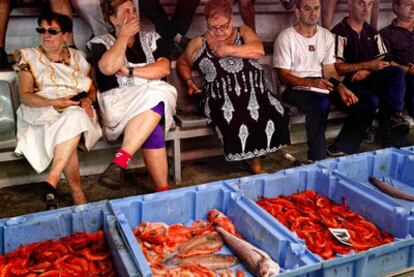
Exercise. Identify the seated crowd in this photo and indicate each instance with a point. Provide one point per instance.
(376, 70)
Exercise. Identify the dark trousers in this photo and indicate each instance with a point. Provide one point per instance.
(409, 94)
(316, 107)
(389, 85)
(179, 23)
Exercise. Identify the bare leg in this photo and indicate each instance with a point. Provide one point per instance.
(63, 152)
(71, 171)
(328, 11)
(4, 20)
(247, 13)
(157, 166)
(375, 13)
(138, 130)
(63, 7)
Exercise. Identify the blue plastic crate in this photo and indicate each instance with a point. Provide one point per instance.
(51, 225)
(409, 148)
(374, 262)
(187, 205)
(394, 166)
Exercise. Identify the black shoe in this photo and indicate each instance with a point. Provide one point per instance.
(333, 151)
(51, 196)
(370, 134)
(113, 177)
(396, 128)
(4, 64)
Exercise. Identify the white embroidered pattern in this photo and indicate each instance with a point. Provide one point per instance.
(256, 64)
(211, 89)
(253, 105)
(237, 88)
(208, 69)
(149, 39)
(227, 108)
(270, 129)
(207, 110)
(251, 154)
(243, 134)
(273, 100)
(231, 64)
(124, 81)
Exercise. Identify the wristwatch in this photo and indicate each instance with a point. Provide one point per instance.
(130, 71)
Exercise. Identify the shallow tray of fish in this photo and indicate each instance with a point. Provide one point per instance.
(376, 261)
(187, 206)
(60, 223)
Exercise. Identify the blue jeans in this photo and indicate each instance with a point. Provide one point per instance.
(316, 107)
(389, 85)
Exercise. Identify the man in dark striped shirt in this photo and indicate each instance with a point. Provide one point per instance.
(362, 58)
(399, 40)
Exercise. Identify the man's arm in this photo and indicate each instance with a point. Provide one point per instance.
(347, 96)
(287, 78)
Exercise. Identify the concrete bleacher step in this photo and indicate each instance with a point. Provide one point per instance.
(271, 18)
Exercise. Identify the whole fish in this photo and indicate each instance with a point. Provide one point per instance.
(199, 245)
(218, 218)
(390, 190)
(213, 240)
(256, 260)
(211, 261)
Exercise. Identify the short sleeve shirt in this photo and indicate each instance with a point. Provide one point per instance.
(134, 54)
(304, 56)
(353, 47)
(400, 43)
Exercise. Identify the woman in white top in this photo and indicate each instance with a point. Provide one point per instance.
(50, 124)
(133, 100)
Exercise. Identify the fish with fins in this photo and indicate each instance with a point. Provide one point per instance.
(210, 261)
(256, 260)
(390, 190)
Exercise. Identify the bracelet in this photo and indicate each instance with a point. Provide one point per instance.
(130, 71)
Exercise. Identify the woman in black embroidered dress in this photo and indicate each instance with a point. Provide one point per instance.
(248, 119)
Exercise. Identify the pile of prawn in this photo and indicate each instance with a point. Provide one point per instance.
(310, 215)
(81, 254)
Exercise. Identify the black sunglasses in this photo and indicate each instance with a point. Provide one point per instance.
(53, 32)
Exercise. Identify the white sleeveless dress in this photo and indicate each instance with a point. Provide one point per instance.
(40, 129)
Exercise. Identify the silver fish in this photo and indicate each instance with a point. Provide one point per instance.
(211, 261)
(203, 241)
(256, 260)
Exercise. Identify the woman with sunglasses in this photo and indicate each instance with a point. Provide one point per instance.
(248, 119)
(50, 122)
(133, 100)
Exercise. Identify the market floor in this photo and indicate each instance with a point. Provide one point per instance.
(24, 199)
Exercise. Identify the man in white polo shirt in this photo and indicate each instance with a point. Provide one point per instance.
(304, 56)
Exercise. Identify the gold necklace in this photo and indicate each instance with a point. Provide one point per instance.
(62, 60)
